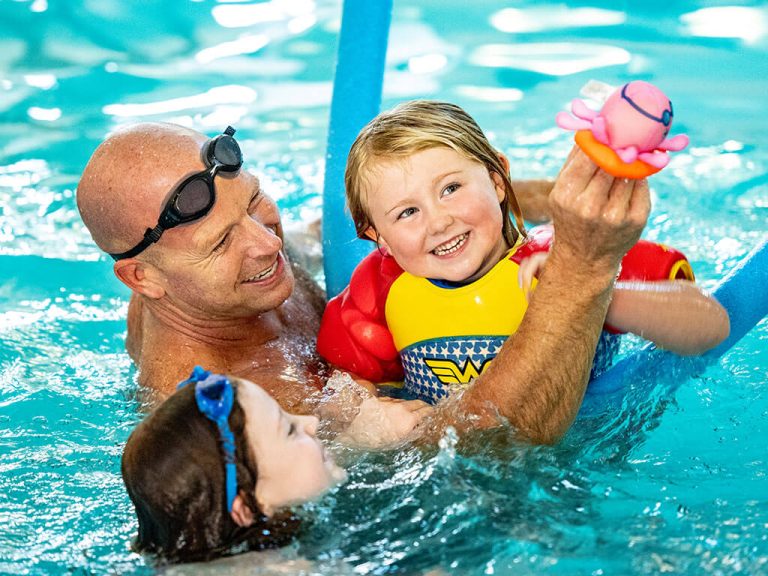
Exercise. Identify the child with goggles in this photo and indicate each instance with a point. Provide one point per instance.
(217, 466)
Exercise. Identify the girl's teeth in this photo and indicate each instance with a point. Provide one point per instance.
(450, 248)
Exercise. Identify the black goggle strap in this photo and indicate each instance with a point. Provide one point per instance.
(151, 236)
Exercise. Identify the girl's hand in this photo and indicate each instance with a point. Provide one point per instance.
(385, 422)
(530, 268)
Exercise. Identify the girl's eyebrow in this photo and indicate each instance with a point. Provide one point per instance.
(399, 205)
(444, 175)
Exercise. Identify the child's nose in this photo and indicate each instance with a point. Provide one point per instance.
(439, 220)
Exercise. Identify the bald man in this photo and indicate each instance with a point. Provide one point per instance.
(200, 245)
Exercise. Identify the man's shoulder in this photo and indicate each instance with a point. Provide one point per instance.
(162, 368)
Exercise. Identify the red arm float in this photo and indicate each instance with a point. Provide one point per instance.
(539, 239)
(353, 332)
(651, 261)
(645, 261)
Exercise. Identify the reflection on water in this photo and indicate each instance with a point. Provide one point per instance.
(551, 58)
(744, 23)
(656, 485)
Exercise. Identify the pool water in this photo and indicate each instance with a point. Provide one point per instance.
(670, 483)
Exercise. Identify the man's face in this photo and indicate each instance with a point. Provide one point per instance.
(230, 263)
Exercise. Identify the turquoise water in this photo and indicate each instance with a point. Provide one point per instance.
(673, 484)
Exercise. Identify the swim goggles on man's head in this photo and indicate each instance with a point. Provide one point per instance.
(215, 397)
(665, 118)
(196, 195)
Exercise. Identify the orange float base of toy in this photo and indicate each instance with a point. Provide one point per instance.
(609, 161)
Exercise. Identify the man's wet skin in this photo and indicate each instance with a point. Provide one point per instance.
(220, 290)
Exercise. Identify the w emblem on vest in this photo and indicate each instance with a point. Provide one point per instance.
(449, 372)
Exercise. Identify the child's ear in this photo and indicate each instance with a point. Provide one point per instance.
(241, 514)
(498, 185)
(504, 162)
(498, 181)
(371, 234)
(381, 244)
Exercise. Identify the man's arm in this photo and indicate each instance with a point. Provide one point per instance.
(538, 379)
(533, 197)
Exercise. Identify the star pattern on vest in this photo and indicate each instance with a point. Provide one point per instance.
(434, 368)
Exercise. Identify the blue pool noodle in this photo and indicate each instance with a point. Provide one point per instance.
(356, 99)
(744, 295)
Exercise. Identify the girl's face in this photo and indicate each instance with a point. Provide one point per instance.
(438, 214)
(292, 463)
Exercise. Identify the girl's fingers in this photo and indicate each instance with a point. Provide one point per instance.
(530, 268)
(412, 405)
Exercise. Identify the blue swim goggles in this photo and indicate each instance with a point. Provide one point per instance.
(215, 397)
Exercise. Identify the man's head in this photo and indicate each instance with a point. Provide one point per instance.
(227, 262)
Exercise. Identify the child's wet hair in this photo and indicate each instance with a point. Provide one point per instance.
(413, 127)
(173, 470)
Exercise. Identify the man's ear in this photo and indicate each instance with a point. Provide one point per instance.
(241, 514)
(134, 274)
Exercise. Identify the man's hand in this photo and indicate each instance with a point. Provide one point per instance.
(384, 422)
(538, 378)
(597, 217)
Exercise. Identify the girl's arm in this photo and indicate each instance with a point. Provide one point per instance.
(676, 315)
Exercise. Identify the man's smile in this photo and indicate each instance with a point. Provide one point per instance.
(267, 273)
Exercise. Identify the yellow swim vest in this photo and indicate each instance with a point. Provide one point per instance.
(446, 336)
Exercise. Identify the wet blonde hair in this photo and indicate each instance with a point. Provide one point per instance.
(413, 127)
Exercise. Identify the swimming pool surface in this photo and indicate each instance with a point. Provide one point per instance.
(670, 484)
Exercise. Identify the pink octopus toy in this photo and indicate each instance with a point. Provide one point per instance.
(628, 137)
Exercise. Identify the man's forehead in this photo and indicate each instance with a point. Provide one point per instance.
(151, 153)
